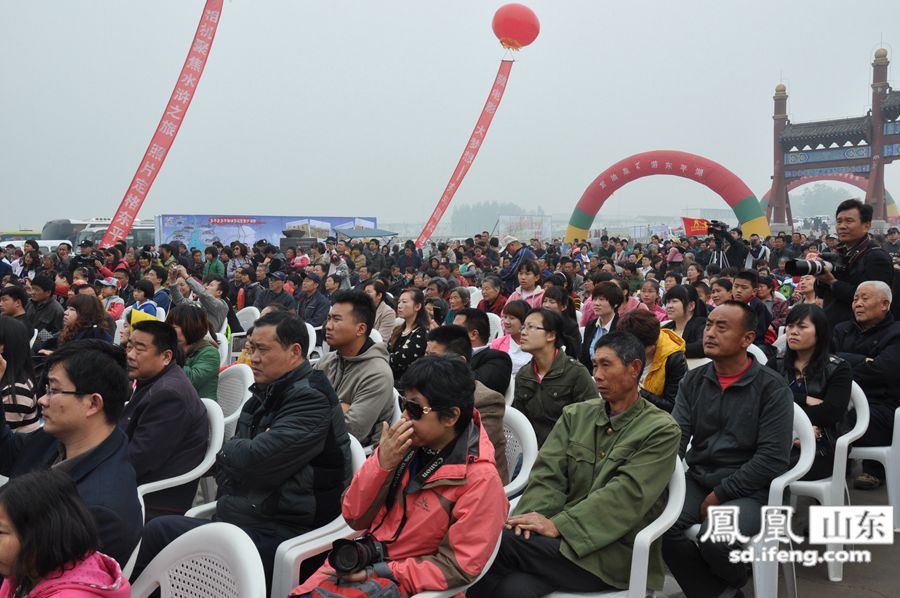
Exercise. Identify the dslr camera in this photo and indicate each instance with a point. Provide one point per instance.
(349, 556)
(718, 225)
(831, 262)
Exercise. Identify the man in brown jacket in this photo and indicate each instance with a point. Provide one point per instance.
(490, 404)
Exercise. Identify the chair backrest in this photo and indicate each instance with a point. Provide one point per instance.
(117, 335)
(804, 432)
(521, 449)
(247, 317)
(357, 453)
(496, 325)
(216, 438)
(475, 296)
(35, 333)
(758, 354)
(376, 336)
(397, 413)
(697, 362)
(216, 560)
(160, 314)
(311, 331)
(224, 349)
(640, 555)
(234, 390)
(860, 404)
(510, 391)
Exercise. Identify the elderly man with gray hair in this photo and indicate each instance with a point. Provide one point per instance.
(871, 344)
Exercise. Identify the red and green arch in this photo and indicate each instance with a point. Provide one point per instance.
(689, 166)
(845, 177)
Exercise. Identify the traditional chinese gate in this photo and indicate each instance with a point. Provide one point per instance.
(860, 146)
(851, 179)
(689, 166)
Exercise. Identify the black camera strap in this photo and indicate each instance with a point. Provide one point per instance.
(415, 484)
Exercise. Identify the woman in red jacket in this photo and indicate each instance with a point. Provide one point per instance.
(430, 495)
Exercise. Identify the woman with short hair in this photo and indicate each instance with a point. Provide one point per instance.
(49, 542)
(201, 354)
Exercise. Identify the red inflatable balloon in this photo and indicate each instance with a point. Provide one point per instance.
(516, 26)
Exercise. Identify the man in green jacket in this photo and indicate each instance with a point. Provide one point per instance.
(599, 479)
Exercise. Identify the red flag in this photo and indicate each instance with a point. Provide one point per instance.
(168, 127)
(475, 141)
(695, 226)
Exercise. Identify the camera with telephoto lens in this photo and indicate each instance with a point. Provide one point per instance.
(830, 262)
(718, 226)
(349, 556)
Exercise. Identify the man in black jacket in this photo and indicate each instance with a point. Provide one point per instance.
(283, 472)
(871, 344)
(863, 260)
(86, 389)
(737, 415)
(165, 421)
(492, 368)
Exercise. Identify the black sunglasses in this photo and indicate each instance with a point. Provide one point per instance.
(414, 410)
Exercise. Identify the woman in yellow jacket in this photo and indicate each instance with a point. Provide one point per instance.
(666, 362)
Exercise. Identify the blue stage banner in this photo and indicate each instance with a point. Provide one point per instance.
(202, 230)
(790, 174)
(828, 155)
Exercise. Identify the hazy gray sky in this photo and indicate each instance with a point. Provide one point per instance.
(362, 107)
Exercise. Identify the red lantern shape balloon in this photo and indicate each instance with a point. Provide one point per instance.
(516, 26)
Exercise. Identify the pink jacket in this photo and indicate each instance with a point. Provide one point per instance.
(94, 576)
(534, 299)
(659, 312)
(453, 521)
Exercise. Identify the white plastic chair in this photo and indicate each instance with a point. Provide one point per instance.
(376, 336)
(496, 325)
(889, 456)
(578, 316)
(224, 349)
(521, 444)
(160, 314)
(313, 546)
(234, 390)
(117, 335)
(758, 354)
(216, 437)
(311, 331)
(224, 329)
(697, 362)
(398, 413)
(640, 554)
(830, 491)
(35, 335)
(475, 296)
(765, 573)
(247, 317)
(217, 560)
(510, 393)
(286, 571)
(216, 434)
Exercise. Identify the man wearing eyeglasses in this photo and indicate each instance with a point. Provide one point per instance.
(86, 390)
(598, 480)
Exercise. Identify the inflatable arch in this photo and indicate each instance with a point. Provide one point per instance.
(851, 179)
(690, 166)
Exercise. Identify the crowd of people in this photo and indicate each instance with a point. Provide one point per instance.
(624, 357)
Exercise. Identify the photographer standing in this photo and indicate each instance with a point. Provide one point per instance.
(861, 260)
(731, 250)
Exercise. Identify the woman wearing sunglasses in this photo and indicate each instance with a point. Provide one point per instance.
(430, 494)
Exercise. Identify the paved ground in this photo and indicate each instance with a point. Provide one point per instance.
(878, 579)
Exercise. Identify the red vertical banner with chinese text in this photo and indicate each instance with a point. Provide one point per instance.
(168, 126)
(472, 147)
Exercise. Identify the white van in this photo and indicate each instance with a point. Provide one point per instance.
(46, 245)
